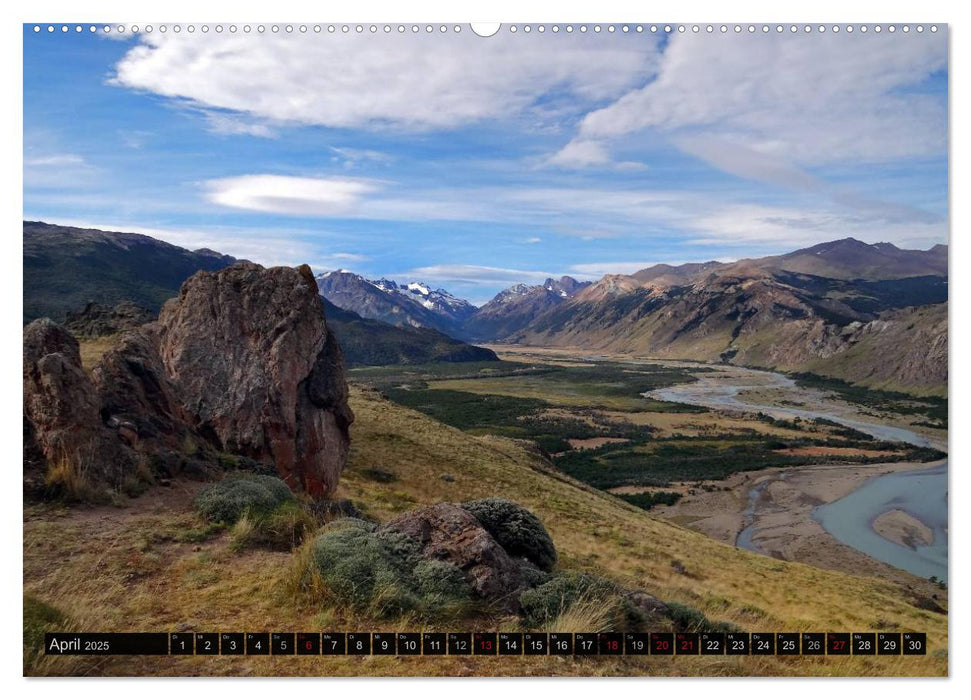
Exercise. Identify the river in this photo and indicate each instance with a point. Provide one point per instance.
(921, 493)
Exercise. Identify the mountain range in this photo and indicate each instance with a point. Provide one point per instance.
(872, 314)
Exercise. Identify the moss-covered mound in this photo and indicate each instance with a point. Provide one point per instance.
(516, 529)
(382, 572)
(226, 501)
(544, 605)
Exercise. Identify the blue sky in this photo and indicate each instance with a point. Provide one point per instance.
(474, 163)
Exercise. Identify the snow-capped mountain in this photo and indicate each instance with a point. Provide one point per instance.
(412, 304)
(440, 301)
(515, 307)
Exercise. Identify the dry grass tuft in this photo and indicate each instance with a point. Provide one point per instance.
(588, 613)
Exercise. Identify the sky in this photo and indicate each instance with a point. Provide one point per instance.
(476, 163)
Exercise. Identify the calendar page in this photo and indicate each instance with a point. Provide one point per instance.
(548, 349)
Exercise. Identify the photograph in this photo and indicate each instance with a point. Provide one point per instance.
(485, 350)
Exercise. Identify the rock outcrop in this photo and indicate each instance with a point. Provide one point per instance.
(62, 411)
(242, 362)
(141, 403)
(256, 367)
(96, 320)
(446, 532)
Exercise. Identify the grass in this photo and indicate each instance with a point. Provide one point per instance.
(93, 565)
(93, 349)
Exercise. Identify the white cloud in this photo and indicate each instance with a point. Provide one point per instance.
(57, 170)
(588, 213)
(352, 157)
(51, 161)
(231, 125)
(786, 228)
(599, 269)
(403, 81)
(533, 240)
(581, 153)
(476, 274)
(585, 154)
(807, 99)
(350, 257)
(296, 196)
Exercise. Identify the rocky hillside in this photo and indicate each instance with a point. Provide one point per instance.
(240, 366)
(66, 268)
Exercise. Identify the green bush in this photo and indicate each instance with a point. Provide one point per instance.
(283, 528)
(381, 572)
(441, 581)
(516, 529)
(227, 500)
(39, 617)
(548, 601)
(649, 500)
(689, 619)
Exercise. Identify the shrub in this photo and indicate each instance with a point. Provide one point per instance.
(689, 619)
(649, 500)
(441, 584)
(227, 500)
(283, 528)
(516, 529)
(381, 572)
(574, 598)
(551, 600)
(39, 617)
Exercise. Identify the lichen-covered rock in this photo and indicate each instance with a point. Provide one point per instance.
(256, 367)
(446, 532)
(62, 407)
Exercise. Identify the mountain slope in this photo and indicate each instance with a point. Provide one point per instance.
(515, 308)
(860, 331)
(368, 342)
(65, 268)
(415, 304)
(852, 259)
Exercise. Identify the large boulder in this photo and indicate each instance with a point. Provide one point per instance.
(61, 412)
(242, 362)
(259, 372)
(137, 396)
(446, 532)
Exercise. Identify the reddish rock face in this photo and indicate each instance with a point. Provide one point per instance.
(241, 362)
(449, 533)
(255, 366)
